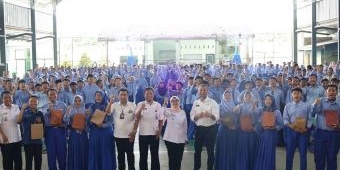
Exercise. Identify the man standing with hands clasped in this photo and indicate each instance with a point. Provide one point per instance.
(150, 117)
(327, 134)
(125, 128)
(204, 113)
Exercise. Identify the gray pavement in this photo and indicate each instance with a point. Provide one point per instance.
(188, 159)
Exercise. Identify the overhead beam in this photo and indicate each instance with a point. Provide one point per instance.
(18, 35)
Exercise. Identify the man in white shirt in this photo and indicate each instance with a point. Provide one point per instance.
(125, 128)
(204, 113)
(10, 133)
(150, 117)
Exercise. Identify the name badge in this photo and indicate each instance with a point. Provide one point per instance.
(121, 116)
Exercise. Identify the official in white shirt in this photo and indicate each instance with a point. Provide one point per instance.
(150, 118)
(124, 128)
(175, 134)
(10, 133)
(205, 113)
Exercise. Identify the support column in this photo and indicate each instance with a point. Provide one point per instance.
(2, 33)
(34, 37)
(178, 51)
(55, 39)
(314, 48)
(295, 42)
(338, 29)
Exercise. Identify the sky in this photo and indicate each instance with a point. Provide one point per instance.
(120, 18)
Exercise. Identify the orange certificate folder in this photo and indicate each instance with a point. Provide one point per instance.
(246, 122)
(56, 118)
(268, 119)
(98, 117)
(300, 123)
(332, 118)
(37, 131)
(78, 121)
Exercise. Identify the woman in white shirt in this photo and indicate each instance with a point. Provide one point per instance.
(175, 134)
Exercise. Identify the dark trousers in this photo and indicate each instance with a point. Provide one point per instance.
(296, 140)
(175, 154)
(33, 151)
(187, 109)
(56, 148)
(144, 143)
(326, 149)
(11, 153)
(125, 146)
(205, 136)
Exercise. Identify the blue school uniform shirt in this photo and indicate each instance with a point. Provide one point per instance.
(294, 110)
(21, 97)
(318, 112)
(89, 92)
(47, 113)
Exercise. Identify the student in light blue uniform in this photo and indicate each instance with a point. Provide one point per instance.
(297, 137)
(265, 159)
(227, 135)
(78, 141)
(89, 91)
(248, 138)
(55, 135)
(327, 134)
(21, 96)
(101, 140)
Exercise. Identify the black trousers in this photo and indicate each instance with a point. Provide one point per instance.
(205, 136)
(11, 153)
(33, 151)
(125, 146)
(175, 154)
(144, 143)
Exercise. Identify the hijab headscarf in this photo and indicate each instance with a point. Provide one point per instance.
(272, 107)
(104, 100)
(82, 106)
(162, 90)
(227, 105)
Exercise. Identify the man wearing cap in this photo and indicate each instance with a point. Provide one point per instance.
(205, 114)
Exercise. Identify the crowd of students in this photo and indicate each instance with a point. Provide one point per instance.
(240, 113)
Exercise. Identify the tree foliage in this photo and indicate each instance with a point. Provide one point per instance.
(85, 60)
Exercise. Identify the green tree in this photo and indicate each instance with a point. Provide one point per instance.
(85, 60)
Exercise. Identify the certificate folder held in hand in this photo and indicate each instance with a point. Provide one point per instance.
(56, 118)
(78, 121)
(37, 131)
(268, 119)
(98, 117)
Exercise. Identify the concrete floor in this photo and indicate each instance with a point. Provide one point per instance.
(188, 159)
